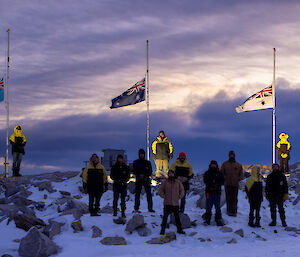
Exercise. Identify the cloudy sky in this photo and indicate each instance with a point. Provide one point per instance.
(70, 57)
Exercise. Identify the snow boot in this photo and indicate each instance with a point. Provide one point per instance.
(115, 213)
(180, 231)
(206, 217)
(283, 223)
(219, 220)
(257, 223)
(151, 210)
(272, 224)
(251, 222)
(123, 215)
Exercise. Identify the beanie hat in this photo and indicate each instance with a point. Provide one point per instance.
(142, 151)
(182, 155)
(120, 156)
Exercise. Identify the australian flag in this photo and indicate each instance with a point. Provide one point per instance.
(133, 95)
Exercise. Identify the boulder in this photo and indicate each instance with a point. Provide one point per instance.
(11, 210)
(45, 185)
(239, 232)
(143, 231)
(77, 205)
(171, 236)
(135, 222)
(119, 221)
(36, 244)
(25, 222)
(184, 219)
(53, 229)
(226, 229)
(11, 189)
(232, 241)
(77, 226)
(6, 255)
(65, 193)
(116, 240)
(107, 209)
(97, 232)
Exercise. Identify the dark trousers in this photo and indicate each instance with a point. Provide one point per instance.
(213, 200)
(183, 199)
(231, 199)
(277, 202)
(119, 190)
(94, 201)
(138, 189)
(254, 207)
(284, 165)
(17, 159)
(169, 209)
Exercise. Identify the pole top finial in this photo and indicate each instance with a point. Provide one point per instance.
(8, 30)
(274, 49)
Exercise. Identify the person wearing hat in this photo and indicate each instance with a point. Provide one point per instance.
(213, 180)
(184, 172)
(284, 148)
(254, 191)
(142, 169)
(120, 174)
(276, 193)
(18, 142)
(171, 190)
(162, 152)
(233, 174)
(94, 178)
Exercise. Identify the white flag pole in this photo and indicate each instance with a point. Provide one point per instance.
(148, 103)
(274, 108)
(6, 163)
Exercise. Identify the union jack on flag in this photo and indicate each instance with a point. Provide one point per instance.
(258, 101)
(1, 89)
(137, 87)
(131, 96)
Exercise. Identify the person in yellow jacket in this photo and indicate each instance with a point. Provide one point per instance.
(94, 178)
(183, 171)
(162, 152)
(284, 148)
(18, 142)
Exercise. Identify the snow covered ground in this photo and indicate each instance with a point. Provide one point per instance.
(278, 242)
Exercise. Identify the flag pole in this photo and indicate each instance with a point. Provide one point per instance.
(6, 163)
(274, 108)
(148, 103)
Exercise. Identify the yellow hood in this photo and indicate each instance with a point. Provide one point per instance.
(18, 130)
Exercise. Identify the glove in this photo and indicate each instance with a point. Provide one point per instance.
(286, 196)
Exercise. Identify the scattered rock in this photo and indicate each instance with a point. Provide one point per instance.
(107, 209)
(291, 229)
(11, 189)
(25, 222)
(77, 197)
(75, 204)
(36, 244)
(45, 185)
(201, 239)
(97, 232)
(184, 219)
(192, 233)
(11, 210)
(119, 221)
(144, 231)
(226, 229)
(257, 236)
(53, 229)
(65, 193)
(171, 236)
(135, 222)
(232, 241)
(6, 255)
(117, 240)
(77, 226)
(239, 232)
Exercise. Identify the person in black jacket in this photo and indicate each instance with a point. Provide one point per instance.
(142, 169)
(254, 191)
(213, 180)
(276, 193)
(120, 174)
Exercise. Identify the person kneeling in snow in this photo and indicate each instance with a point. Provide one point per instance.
(172, 191)
(95, 182)
(213, 180)
(277, 193)
(254, 191)
(184, 172)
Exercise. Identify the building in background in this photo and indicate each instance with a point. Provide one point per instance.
(110, 156)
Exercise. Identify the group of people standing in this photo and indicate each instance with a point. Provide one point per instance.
(175, 184)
